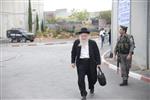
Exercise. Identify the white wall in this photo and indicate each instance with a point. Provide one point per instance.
(14, 14)
(114, 27)
(139, 30)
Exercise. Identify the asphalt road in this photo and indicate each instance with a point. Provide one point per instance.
(44, 72)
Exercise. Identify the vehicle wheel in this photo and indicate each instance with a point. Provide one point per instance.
(23, 39)
(31, 40)
(18, 40)
(11, 40)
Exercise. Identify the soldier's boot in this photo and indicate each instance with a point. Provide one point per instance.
(124, 83)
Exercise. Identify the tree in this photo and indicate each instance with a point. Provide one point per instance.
(79, 15)
(30, 17)
(42, 26)
(37, 23)
(52, 20)
(105, 15)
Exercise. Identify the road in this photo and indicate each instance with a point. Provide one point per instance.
(44, 72)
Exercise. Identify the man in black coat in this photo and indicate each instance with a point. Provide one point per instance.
(85, 55)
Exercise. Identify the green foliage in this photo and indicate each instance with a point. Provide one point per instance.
(52, 20)
(42, 26)
(37, 23)
(79, 15)
(105, 15)
(58, 30)
(30, 17)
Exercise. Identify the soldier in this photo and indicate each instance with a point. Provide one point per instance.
(124, 51)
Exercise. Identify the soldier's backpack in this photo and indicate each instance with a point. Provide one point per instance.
(131, 38)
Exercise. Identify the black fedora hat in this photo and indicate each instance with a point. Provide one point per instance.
(84, 30)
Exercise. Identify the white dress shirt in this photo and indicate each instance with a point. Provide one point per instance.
(102, 33)
(84, 51)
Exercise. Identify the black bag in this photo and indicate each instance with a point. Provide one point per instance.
(101, 77)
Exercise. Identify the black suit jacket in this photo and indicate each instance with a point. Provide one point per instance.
(93, 52)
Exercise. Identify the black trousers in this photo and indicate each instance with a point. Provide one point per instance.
(102, 41)
(83, 69)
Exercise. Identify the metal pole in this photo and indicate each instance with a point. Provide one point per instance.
(111, 46)
(148, 32)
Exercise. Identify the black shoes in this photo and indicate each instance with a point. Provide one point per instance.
(91, 91)
(83, 94)
(124, 83)
(83, 98)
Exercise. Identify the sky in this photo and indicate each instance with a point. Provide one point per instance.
(89, 5)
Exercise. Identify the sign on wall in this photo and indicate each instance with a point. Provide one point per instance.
(124, 12)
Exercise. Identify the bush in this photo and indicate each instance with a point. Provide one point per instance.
(63, 35)
(94, 33)
(59, 33)
(38, 34)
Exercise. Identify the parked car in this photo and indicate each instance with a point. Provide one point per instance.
(20, 35)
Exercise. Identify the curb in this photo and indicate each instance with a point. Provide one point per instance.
(131, 74)
(37, 44)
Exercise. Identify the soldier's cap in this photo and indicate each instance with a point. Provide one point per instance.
(124, 27)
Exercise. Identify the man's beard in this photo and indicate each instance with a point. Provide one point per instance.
(83, 42)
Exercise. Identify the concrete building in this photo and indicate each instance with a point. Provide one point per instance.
(57, 13)
(49, 14)
(14, 14)
(136, 15)
(62, 13)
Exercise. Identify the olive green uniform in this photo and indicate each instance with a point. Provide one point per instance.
(125, 45)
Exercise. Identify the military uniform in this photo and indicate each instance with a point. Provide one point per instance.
(125, 45)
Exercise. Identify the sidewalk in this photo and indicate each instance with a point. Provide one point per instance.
(3, 41)
(135, 72)
(40, 42)
(37, 42)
